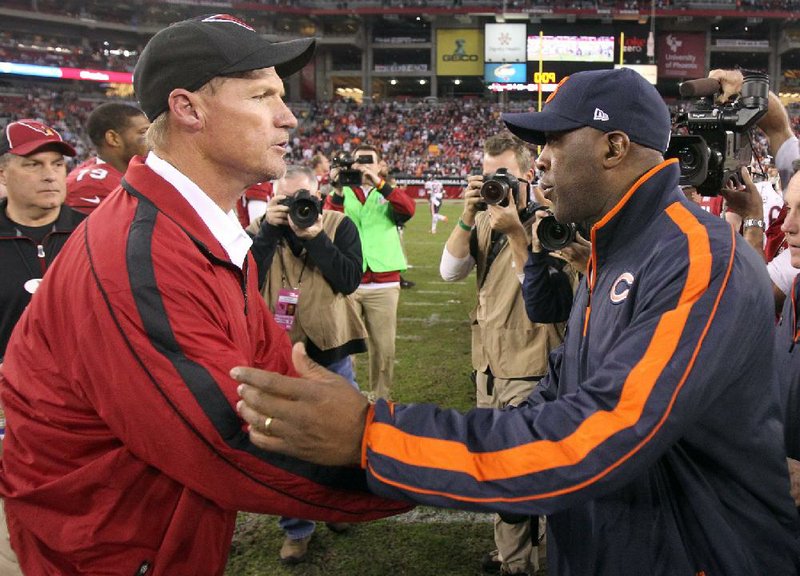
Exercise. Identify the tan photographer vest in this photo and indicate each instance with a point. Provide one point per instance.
(503, 338)
(327, 318)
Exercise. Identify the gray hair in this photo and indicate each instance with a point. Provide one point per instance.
(296, 170)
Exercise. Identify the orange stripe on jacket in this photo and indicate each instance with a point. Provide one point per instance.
(591, 277)
(546, 454)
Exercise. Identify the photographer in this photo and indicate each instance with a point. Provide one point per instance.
(745, 201)
(306, 271)
(376, 208)
(509, 352)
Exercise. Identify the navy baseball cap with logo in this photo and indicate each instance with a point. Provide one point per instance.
(188, 54)
(25, 137)
(607, 100)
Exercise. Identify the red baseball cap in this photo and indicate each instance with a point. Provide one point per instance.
(24, 137)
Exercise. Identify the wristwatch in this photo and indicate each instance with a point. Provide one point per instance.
(754, 223)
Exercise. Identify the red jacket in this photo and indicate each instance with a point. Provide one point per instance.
(89, 183)
(123, 448)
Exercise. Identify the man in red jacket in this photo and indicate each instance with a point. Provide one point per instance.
(124, 453)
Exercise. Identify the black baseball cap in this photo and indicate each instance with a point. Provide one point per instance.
(607, 100)
(188, 54)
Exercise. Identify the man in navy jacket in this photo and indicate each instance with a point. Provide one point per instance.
(654, 445)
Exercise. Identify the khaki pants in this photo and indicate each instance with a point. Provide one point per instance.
(378, 309)
(514, 542)
(8, 560)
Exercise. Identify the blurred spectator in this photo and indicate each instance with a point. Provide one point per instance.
(117, 131)
(321, 166)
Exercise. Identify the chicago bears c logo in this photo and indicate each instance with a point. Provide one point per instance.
(621, 287)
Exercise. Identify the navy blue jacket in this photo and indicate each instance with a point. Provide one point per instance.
(654, 445)
(787, 354)
(546, 289)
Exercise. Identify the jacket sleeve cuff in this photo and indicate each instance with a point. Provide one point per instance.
(385, 190)
(370, 418)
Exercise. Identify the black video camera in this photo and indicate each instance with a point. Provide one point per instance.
(348, 176)
(496, 188)
(718, 143)
(304, 208)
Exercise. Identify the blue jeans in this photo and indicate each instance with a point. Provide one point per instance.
(295, 528)
(344, 368)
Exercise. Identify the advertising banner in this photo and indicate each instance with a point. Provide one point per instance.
(459, 52)
(681, 55)
(511, 72)
(505, 42)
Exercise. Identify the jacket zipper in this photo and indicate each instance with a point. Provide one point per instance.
(40, 254)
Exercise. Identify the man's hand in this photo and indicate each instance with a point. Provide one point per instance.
(318, 417)
(333, 178)
(505, 219)
(536, 246)
(370, 172)
(576, 254)
(277, 214)
(307, 233)
(743, 199)
(472, 195)
(730, 82)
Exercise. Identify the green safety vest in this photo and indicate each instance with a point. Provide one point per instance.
(380, 241)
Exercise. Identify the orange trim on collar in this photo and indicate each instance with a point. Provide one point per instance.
(611, 213)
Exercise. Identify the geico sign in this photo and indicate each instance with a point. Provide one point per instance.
(544, 78)
(460, 57)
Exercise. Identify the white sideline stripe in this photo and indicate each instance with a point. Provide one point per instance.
(434, 319)
(422, 303)
(431, 291)
(424, 514)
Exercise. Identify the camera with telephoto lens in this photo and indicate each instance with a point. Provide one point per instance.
(304, 208)
(349, 176)
(718, 141)
(496, 188)
(553, 235)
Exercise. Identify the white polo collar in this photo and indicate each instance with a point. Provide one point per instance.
(228, 232)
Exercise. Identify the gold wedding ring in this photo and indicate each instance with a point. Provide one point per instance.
(267, 424)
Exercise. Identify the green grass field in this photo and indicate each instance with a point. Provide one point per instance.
(433, 365)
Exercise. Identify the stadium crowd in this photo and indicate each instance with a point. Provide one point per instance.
(145, 12)
(418, 137)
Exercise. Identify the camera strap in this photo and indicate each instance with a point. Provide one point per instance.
(498, 242)
(284, 272)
